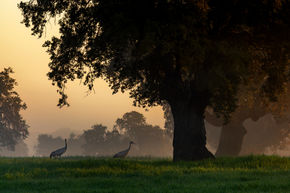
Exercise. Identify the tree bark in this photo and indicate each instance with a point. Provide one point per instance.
(189, 141)
(231, 139)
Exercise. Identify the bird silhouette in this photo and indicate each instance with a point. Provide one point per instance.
(59, 152)
(124, 153)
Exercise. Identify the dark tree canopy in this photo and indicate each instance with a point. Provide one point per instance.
(146, 46)
(12, 126)
(189, 53)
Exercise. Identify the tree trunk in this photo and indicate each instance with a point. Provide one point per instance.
(231, 139)
(189, 141)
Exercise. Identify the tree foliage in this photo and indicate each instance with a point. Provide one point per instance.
(146, 46)
(12, 126)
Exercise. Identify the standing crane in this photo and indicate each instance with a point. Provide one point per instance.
(124, 153)
(59, 152)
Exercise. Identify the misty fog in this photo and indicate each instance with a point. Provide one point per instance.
(264, 136)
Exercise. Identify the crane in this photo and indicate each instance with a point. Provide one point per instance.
(124, 153)
(59, 152)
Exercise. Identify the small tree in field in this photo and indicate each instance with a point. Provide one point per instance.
(12, 126)
(191, 54)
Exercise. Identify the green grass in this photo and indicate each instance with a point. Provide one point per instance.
(86, 175)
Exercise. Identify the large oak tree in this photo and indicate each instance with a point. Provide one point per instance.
(189, 53)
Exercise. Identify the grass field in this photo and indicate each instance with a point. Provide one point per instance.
(86, 175)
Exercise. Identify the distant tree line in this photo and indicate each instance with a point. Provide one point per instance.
(263, 131)
(103, 141)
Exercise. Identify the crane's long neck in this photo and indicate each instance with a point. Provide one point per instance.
(65, 146)
(129, 146)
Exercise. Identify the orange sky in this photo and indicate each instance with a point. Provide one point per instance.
(24, 53)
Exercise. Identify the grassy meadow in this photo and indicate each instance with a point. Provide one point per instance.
(86, 175)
